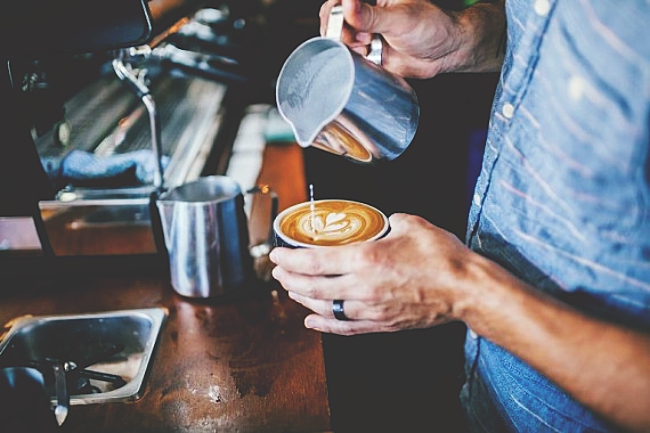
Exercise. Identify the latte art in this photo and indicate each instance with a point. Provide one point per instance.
(331, 225)
(330, 222)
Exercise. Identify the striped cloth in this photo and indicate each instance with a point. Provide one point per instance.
(563, 197)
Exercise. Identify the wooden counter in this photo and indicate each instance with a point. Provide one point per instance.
(245, 364)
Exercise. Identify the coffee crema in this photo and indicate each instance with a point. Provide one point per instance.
(330, 223)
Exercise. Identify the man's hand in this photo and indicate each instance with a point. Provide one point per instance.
(422, 40)
(409, 279)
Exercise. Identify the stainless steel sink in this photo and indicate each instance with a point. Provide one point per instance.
(76, 338)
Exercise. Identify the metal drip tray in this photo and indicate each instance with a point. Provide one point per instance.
(82, 337)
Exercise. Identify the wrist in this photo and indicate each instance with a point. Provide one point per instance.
(480, 293)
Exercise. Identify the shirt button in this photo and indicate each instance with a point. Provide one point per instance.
(542, 7)
(508, 110)
(577, 87)
(477, 199)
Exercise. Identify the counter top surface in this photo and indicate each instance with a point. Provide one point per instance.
(243, 364)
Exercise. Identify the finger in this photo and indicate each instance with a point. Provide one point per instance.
(361, 39)
(358, 15)
(318, 306)
(353, 310)
(356, 40)
(316, 261)
(364, 17)
(343, 327)
(305, 285)
(321, 287)
(399, 223)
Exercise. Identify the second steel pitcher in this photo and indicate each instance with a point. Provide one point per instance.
(206, 233)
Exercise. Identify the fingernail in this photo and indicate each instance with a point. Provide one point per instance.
(272, 255)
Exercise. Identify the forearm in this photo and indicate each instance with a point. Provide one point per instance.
(604, 366)
(483, 32)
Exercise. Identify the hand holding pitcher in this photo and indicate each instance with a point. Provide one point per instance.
(341, 102)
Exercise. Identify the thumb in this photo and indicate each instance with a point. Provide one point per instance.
(361, 16)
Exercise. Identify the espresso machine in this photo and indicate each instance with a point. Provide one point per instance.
(114, 102)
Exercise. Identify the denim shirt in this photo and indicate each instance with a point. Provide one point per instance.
(563, 199)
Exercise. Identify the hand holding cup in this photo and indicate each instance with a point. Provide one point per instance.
(408, 279)
(327, 224)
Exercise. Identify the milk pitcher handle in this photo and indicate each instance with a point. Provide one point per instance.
(335, 29)
(263, 248)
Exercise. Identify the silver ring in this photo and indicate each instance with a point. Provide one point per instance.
(337, 309)
(376, 48)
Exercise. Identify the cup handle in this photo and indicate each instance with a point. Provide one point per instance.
(335, 29)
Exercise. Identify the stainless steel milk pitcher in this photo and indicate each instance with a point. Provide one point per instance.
(206, 233)
(341, 102)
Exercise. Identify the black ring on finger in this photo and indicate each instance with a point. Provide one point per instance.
(337, 309)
